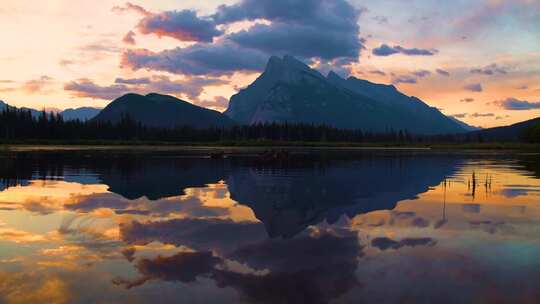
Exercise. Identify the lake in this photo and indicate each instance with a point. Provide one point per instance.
(329, 226)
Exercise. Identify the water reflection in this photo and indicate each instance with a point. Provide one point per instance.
(374, 227)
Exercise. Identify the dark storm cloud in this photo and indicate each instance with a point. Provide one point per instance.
(518, 105)
(489, 70)
(384, 243)
(474, 87)
(386, 50)
(182, 25)
(443, 72)
(198, 59)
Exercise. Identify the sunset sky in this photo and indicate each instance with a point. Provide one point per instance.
(477, 60)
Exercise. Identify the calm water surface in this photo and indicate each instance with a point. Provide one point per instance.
(371, 227)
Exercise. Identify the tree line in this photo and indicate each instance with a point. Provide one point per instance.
(18, 125)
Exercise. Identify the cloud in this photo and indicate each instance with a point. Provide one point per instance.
(86, 88)
(131, 7)
(442, 72)
(523, 87)
(386, 50)
(384, 243)
(380, 19)
(489, 70)
(219, 102)
(66, 62)
(183, 267)
(477, 115)
(460, 115)
(191, 87)
(143, 80)
(298, 268)
(36, 85)
(516, 104)
(421, 73)
(474, 87)
(184, 25)
(101, 47)
(200, 234)
(289, 28)
(197, 59)
(377, 72)
(468, 99)
(129, 38)
(297, 26)
(404, 79)
(282, 39)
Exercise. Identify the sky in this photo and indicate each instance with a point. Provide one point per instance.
(478, 60)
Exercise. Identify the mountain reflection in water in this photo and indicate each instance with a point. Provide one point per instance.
(379, 227)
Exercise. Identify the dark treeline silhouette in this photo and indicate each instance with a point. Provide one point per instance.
(18, 125)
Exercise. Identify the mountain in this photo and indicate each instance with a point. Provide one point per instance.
(162, 111)
(290, 91)
(465, 126)
(82, 114)
(506, 133)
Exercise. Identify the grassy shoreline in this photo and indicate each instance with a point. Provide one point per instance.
(149, 145)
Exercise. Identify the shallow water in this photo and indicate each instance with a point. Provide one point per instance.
(369, 227)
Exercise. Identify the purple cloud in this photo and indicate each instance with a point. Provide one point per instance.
(490, 70)
(517, 105)
(182, 25)
(129, 38)
(198, 59)
(443, 72)
(421, 73)
(476, 115)
(474, 87)
(297, 26)
(404, 79)
(191, 87)
(144, 80)
(87, 88)
(386, 50)
(377, 72)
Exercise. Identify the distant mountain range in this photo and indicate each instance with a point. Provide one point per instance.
(506, 133)
(83, 113)
(162, 111)
(290, 91)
